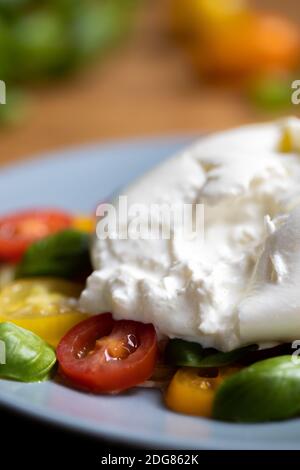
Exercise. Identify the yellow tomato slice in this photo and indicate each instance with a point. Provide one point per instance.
(84, 223)
(289, 141)
(286, 142)
(189, 393)
(7, 274)
(194, 15)
(45, 306)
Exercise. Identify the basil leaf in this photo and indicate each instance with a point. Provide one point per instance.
(64, 254)
(265, 391)
(184, 353)
(221, 359)
(28, 358)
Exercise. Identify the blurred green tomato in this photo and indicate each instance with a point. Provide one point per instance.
(96, 26)
(7, 53)
(42, 44)
(12, 6)
(14, 3)
(271, 93)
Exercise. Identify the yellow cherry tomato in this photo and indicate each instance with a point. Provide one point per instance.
(189, 393)
(188, 17)
(286, 142)
(215, 13)
(289, 140)
(84, 223)
(45, 306)
(7, 274)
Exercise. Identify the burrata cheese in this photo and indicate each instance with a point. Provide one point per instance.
(240, 284)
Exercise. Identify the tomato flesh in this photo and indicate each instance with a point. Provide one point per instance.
(102, 355)
(18, 231)
(42, 306)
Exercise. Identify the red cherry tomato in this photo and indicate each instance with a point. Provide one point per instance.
(102, 355)
(18, 231)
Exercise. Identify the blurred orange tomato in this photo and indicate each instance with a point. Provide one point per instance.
(188, 17)
(227, 38)
(277, 42)
(249, 45)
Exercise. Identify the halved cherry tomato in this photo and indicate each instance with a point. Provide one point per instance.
(104, 356)
(192, 390)
(20, 230)
(190, 393)
(84, 223)
(45, 306)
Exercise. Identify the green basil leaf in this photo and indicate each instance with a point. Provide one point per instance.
(28, 358)
(64, 254)
(184, 353)
(221, 359)
(265, 391)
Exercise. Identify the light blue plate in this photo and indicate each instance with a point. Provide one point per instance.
(78, 179)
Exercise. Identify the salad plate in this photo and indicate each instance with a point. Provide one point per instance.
(77, 180)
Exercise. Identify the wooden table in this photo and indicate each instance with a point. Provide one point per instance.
(145, 88)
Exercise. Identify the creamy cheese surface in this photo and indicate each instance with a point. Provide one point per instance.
(239, 286)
